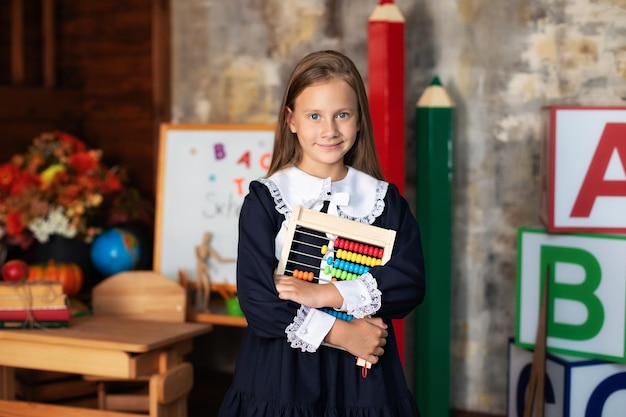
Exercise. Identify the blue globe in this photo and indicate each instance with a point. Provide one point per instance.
(115, 250)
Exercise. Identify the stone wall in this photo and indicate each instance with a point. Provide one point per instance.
(501, 61)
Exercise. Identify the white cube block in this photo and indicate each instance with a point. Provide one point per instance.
(583, 178)
(574, 386)
(586, 296)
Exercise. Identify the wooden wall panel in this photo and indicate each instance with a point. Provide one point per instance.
(106, 49)
(108, 91)
(33, 103)
(25, 112)
(5, 30)
(134, 144)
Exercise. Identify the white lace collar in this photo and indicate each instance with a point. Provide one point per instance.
(357, 197)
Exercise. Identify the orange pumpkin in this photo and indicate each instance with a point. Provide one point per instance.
(36, 272)
(69, 274)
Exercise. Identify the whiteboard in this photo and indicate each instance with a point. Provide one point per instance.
(203, 176)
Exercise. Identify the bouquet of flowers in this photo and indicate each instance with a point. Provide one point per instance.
(60, 187)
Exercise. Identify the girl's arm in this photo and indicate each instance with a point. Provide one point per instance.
(307, 293)
(269, 314)
(364, 338)
(401, 280)
(390, 291)
(266, 314)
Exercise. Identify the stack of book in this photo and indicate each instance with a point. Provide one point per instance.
(33, 304)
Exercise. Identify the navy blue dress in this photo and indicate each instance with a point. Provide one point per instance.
(272, 379)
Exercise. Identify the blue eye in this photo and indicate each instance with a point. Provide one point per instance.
(343, 115)
(314, 116)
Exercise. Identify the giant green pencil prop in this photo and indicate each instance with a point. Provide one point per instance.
(434, 214)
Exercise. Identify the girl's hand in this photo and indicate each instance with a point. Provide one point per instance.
(307, 293)
(364, 338)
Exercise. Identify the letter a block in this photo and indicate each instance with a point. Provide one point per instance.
(574, 386)
(586, 308)
(583, 178)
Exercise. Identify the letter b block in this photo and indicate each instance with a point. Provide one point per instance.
(586, 308)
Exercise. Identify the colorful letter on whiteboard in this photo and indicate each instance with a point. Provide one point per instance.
(204, 173)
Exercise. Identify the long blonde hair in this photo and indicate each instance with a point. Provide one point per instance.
(315, 68)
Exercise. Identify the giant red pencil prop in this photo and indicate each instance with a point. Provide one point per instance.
(386, 98)
(386, 87)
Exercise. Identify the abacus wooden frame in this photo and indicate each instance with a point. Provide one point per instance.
(343, 228)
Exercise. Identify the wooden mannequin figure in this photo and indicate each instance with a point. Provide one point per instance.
(204, 252)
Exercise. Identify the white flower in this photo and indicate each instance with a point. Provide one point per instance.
(54, 224)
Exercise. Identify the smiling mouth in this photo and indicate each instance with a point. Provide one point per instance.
(329, 145)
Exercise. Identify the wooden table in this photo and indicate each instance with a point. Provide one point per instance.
(106, 347)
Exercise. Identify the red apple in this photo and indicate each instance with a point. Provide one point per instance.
(15, 270)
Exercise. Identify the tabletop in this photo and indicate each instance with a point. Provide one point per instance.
(109, 332)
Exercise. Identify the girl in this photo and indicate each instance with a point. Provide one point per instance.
(324, 157)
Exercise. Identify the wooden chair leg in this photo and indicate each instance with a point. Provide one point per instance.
(7, 383)
(101, 390)
(168, 391)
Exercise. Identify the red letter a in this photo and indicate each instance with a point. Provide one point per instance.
(613, 139)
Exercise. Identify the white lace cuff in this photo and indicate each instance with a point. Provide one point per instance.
(361, 297)
(308, 329)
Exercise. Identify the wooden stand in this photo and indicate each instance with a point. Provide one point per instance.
(536, 383)
(218, 314)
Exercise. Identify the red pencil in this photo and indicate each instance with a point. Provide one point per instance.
(386, 99)
(386, 87)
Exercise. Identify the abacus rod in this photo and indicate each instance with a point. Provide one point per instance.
(306, 243)
(308, 255)
(305, 231)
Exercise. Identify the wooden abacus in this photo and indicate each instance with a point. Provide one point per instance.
(322, 248)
